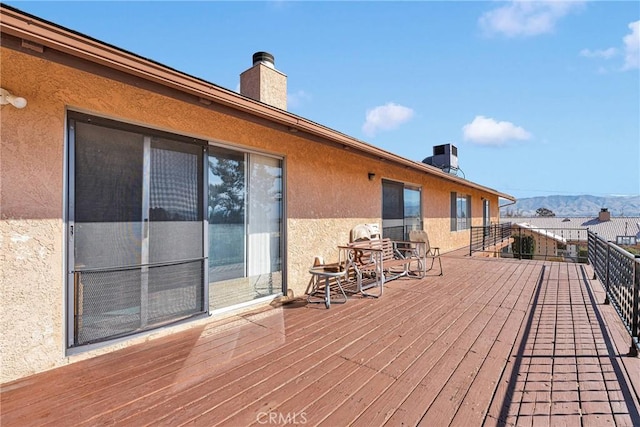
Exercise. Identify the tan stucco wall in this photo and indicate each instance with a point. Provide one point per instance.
(328, 192)
(32, 299)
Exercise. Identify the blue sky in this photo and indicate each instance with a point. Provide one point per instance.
(540, 98)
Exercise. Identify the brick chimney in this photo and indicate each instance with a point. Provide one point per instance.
(604, 215)
(263, 82)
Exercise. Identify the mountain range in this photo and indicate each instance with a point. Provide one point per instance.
(574, 206)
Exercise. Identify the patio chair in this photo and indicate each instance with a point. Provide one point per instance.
(430, 252)
(364, 232)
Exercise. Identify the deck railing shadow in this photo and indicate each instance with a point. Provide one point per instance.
(521, 354)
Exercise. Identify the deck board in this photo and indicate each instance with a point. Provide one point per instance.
(491, 342)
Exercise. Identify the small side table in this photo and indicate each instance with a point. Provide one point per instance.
(321, 272)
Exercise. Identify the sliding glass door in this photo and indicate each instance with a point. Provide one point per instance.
(136, 253)
(164, 227)
(401, 210)
(245, 226)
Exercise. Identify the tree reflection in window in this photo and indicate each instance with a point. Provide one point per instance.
(226, 189)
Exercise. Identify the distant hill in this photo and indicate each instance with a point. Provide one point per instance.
(583, 206)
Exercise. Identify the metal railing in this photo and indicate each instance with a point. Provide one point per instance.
(111, 302)
(619, 273)
(488, 238)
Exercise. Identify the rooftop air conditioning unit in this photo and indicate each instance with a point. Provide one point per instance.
(444, 157)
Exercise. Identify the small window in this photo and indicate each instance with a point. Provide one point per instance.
(460, 212)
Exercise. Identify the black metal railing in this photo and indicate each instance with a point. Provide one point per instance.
(489, 238)
(619, 273)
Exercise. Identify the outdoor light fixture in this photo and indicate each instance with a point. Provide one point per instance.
(8, 98)
(372, 176)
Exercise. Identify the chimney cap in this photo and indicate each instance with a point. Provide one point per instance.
(265, 58)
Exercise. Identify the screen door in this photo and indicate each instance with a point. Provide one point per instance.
(136, 258)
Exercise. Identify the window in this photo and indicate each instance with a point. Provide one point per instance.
(626, 240)
(460, 212)
(401, 210)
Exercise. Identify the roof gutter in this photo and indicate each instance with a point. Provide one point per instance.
(513, 202)
(37, 30)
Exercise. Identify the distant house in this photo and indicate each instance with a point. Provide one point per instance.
(545, 243)
(606, 226)
(137, 198)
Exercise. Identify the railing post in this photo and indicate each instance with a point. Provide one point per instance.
(471, 241)
(606, 286)
(595, 253)
(635, 332)
(484, 238)
(520, 244)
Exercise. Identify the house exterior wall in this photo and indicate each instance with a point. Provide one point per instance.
(327, 192)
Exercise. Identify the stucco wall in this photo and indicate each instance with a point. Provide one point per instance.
(327, 192)
(32, 301)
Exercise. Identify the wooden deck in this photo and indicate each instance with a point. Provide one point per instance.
(491, 342)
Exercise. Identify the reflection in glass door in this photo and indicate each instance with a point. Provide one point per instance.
(412, 210)
(135, 229)
(226, 211)
(245, 226)
(401, 210)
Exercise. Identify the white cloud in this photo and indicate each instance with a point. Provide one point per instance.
(386, 117)
(632, 47)
(526, 18)
(599, 53)
(297, 99)
(487, 131)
